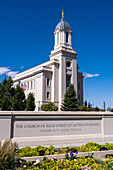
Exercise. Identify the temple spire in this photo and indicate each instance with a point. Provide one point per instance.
(62, 13)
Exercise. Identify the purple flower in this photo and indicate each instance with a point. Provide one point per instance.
(71, 153)
(76, 152)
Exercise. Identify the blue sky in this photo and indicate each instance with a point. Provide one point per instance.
(26, 40)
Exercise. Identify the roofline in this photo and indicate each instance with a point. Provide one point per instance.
(35, 70)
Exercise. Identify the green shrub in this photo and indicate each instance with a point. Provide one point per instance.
(41, 150)
(51, 150)
(49, 107)
(96, 109)
(112, 110)
(102, 110)
(37, 151)
(82, 108)
(109, 146)
(27, 152)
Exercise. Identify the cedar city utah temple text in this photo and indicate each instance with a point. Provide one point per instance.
(49, 81)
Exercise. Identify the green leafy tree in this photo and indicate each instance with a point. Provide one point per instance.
(49, 107)
(19, 101)
(30, 102)
(6, 94)
(70, 102)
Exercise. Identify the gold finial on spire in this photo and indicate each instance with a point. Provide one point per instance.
(63, 13)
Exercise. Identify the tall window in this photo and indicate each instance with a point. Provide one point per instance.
(48, 95)
(68, 80)
(48, 82)
(78, 85)
(31, 84)
(27, 85)
(34, 83)
(67, 36)
(57, 37)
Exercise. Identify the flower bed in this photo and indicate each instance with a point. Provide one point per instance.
(70, 164)
(41, 150)
(10, 158)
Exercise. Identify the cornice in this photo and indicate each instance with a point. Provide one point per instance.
(35, 70)
(63, 51)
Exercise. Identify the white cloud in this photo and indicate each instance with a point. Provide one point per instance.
(12, 73)
(4, 70)
(21, 67)
(87, 75)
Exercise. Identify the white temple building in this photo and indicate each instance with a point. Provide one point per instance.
(49, 81)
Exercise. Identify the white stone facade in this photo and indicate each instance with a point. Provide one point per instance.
(49, 81)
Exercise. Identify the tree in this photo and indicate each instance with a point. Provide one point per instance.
(30, 102)
(70, 102)
(49, 107)
(96, 109)
(6, 94)
(89, 105)
(19, 101)
(85, 103)
(109, 108)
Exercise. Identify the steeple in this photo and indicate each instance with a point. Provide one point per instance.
(63, 33)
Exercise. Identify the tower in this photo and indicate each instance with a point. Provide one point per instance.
(67, 58)
(49, 81)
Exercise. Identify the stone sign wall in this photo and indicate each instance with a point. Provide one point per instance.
(56, 128)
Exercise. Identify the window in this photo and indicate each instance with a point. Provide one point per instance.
(31, 84)
(34, 83)
(57, 37)
(27, 85)
(19, 83)
(48, 95)
(68, 79)
(78, 85)
(68, 63)
(48, 82)
(67, 37)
